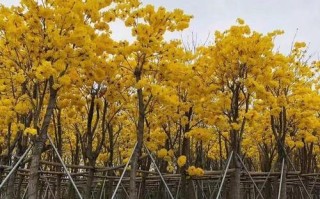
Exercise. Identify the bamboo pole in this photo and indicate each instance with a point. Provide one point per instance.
(164, 182)
(224, 175)
(125, 168)
(15, 166)
(64, 167)
(280, 183)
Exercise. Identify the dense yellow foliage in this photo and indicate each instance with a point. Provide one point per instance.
(237, 93)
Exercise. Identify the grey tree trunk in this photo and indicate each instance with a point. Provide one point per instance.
(39, 145)
(139, 134)
(88, 189)
(34, 175)
(187, 189)
(136, 153)
(235, 184)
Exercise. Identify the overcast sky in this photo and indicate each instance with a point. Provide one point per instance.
(262, 16)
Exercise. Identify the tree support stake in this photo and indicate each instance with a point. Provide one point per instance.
(124, 171)
(15, 167)
(64, 167)
(224, 175)
(161, 176)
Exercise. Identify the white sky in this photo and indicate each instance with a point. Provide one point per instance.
(262, 16)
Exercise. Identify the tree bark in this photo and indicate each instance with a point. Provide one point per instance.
(145, 167)
(235, 180)
(187, 190)
(39, 145)
(139, 134)
(87, 194)
(136, 153)
(34, 175)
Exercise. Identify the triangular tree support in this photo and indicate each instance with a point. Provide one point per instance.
(245, 168)
(65, 168)
(15, 166)
(124, 171)
(48, 187)
(281, 177)
(292, 165)
(224, 175)
(158, 170)
(154, 162)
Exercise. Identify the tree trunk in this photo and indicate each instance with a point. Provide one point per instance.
(145, 167)
(88, 189)
(235, 192)
(39, 145)
(109, 186)
(58, 187)
(235, 180)
(187, 190)
(34, 175)
(140, 132)
(134, 168)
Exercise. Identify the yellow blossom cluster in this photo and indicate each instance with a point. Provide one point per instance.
(103, 157)
(195, 171)
(182, 160)
(30, 131)
(60, 65)
(162, 153)
(157, 139)
(201, 134)
(23, 105)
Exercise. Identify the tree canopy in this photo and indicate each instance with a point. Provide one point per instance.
(62, 75)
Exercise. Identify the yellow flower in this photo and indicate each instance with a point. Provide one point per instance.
(162, 153)
(23, 106)
(311, 138)
(191, 170)
(65, 80)
(195, 171)
(170, 168)
(151, 146)
(182, 160)
(30, 131)
(199, 172)
(171, 153)
(299, 144)
(2, 88)
(235, 126)
(240, 21)
(103, 157)
(125, 160)
(19, 78)
(299, 44)
(167, 158)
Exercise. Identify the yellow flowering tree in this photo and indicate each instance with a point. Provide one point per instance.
(237, 58)
(142, 60)
(49, 46)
